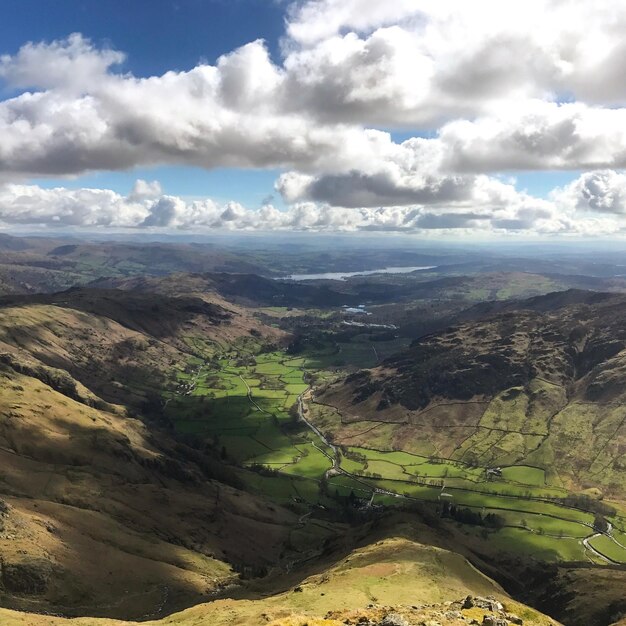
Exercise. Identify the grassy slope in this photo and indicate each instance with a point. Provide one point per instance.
(389, 572)
(258, 378)
(89, 485)
(80, 482)
(453, 396)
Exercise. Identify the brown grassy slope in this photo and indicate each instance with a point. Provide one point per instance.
(394, 572)
(118, 344)
(105, 517)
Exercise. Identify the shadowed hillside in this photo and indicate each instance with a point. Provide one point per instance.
(103, 513)
(395, 577)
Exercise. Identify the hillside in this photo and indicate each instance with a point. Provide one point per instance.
(159, 430)
(83, 486)
(393, 577)
(136, 340)
(540, 385)
(101, 512)
(519, 413)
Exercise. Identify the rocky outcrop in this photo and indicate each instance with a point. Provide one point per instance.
(470, 611)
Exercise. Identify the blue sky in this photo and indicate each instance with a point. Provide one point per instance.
(157, 35)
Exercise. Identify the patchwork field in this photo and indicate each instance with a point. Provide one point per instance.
(246, 403)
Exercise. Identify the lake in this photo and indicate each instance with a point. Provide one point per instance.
(344, 275)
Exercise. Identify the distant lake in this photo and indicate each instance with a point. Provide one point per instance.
(344, 275)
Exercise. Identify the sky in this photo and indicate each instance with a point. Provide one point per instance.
(462, 119)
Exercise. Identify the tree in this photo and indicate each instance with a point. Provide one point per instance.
(600, 524)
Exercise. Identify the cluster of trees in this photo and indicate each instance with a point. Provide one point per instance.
(353, 455)
(473, 518)
(263, 470)
(248, 572)
(600, 524)
(589, 504)
(375, 475)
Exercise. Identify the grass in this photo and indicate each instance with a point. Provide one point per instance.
(542, 547)
(606, 546)
(525, 475)
(243, 404)
(543, 524)
(395, 571)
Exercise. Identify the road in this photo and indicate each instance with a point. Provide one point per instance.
(336, 457)
(252, 400)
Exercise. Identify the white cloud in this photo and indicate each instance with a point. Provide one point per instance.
(30, 204)
(143, 190)
(600, 192)
(445, 59)
(313, 21)
(69, 64)
(484, 79)
(496, 208)
(211, 116)
(537, 136)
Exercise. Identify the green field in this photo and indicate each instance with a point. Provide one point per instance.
(609, 548)
(244, 401)
(539, 546)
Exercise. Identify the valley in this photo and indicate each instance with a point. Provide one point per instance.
(241, 436)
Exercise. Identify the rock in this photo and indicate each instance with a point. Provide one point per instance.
(468, 603)
(297, 589)
(489, 604)
(492, 620)
(393, 619)
(454, 615)
(514, 619)
(494, 605)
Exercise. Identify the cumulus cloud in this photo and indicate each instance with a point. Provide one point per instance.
(69, 64)
(429, 61)
(384, 188)
(143, 189)
(537, 136)
(600, 192)
(30, 204)
(498, 208)
(211, 116)
(312, 21)
(446, 61)
(498, 86)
